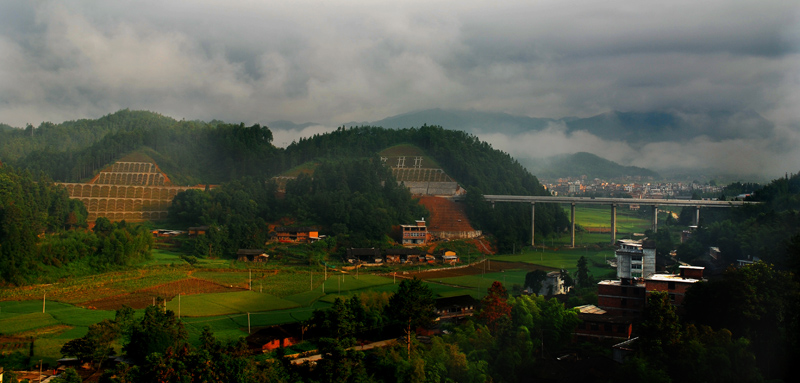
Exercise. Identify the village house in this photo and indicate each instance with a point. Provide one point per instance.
(624, 297)
(635, 258)
(450, 257)
(296, 234)
(597, 324)
(414, 235)
(251, 255)
(198, 230)
(675, 284)
(274, 337)
(455, 308)
(404, 255)
(365, 255)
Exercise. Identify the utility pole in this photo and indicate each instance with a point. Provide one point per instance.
(44, 298)
(248, 323)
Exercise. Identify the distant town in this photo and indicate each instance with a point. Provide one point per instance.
(634, 189)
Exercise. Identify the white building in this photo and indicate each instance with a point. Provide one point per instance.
(635, 259)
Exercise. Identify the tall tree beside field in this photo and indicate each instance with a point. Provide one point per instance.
(412, 306)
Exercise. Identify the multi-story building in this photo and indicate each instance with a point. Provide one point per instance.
(635, 259)
(414, 235)
(675, 284)
(624, 297)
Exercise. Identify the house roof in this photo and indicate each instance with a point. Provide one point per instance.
(403, 252)
(459, 301)
(249, 251)
(363, 252)
(285, 229)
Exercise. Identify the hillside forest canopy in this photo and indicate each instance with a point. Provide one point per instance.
(349, 191)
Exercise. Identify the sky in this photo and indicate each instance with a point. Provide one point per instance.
(333, 62)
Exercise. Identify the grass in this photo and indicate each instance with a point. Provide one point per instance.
(227, 303)
(283, 284)
(306, 167)
(482, 282)
(344, 282)
(26, 322)
(591, 216)
(163, 257)
(565, 259)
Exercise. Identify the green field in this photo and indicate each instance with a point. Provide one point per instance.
(566, 259)
(227, 303)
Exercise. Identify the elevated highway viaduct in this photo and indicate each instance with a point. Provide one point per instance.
(613, 202)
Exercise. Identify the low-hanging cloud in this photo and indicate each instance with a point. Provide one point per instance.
(349, 60)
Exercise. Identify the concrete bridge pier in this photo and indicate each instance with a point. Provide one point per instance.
(572, 231)
(613, 223)
(697, 216)
(533, 219)
(655, 218)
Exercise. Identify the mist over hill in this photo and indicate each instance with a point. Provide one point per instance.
(678, 143)
(580, 164)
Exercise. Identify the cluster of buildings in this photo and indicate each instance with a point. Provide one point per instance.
(377, 257)
(649, 190)
(620, 302)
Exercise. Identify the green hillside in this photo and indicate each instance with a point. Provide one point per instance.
(582, 163)
(241, 158)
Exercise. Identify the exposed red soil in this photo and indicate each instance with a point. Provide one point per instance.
(446, 215)
(142, 298)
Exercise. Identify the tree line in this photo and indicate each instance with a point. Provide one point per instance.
(44, 235)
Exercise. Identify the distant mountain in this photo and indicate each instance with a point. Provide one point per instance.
(672, 126)
(580, 164)
(631, 127)
(467, 120)
(288, 125)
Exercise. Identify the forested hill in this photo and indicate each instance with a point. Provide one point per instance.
(190, 152)
(582, 163)
(195, 152)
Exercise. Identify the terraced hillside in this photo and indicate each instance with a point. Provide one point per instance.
(419, 172)
(133, 189)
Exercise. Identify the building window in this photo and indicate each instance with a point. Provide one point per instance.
(672, 297)
(671, 285)
(607, 327)
(417, 162)
(401, 162)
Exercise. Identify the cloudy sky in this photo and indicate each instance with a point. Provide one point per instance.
(336, 61)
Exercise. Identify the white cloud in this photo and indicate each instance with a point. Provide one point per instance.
(333, 62)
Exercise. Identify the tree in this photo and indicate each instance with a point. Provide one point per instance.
(660, 330)
(413, 306)
(582, 275)
(69, 376)
(156, 332)
(495, 310)
(534, 280)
